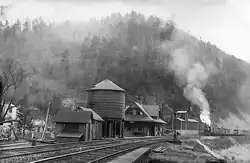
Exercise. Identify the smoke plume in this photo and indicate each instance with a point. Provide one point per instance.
(193, 75)
(233, 122)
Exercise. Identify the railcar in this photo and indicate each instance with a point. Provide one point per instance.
(220, 131)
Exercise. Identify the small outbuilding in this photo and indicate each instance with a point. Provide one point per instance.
(81, 125)
(186, 126)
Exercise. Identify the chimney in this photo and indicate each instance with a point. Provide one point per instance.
(139, 99)
(161, 113)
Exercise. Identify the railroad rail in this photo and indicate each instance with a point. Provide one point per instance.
(13, 145)
(43, 151)
(51, 150)
(29, 147)
(102, 153)
(17, 147)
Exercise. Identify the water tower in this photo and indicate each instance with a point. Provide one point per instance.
(108, 100)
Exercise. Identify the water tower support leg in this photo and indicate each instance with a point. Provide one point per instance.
(115, 129)
(110, 129)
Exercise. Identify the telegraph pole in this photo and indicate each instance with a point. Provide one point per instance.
(46, 121)
(2, 8)
(174, 125)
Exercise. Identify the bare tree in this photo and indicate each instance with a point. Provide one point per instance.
(13, 76)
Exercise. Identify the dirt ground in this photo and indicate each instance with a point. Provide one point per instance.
(181, 153)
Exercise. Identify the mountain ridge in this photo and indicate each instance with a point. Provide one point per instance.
(127, 50)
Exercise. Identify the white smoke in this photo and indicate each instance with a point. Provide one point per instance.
(193, 75)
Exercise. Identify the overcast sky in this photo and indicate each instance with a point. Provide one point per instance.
(225, 23)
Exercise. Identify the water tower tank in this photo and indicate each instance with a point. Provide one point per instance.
(107, 99)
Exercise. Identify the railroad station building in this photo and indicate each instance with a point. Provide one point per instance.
(143, 120)
(81, 125)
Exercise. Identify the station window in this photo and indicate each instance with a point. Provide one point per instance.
(130, 113)
(139, 129)
(10, 110)
(138, 113)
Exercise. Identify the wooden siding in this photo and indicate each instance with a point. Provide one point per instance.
(192, 126)
(90, 131)
(107, 103)
(142, 129)
(183, 125)
(97, 130)
(71, 127)
(82, 128)
(58, 128)
(134, 110)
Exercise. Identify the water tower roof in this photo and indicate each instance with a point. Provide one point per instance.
(107, 85)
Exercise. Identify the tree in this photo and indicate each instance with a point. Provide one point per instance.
(14, 77)
(126, 49)
(25, 120)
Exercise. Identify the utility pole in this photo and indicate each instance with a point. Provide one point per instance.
(46, 121)
(2, 8)
(174, 118)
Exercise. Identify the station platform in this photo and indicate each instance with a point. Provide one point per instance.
(132, 157)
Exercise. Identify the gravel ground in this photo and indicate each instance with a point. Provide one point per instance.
(234, 149)
(236, 154)
(189, 152)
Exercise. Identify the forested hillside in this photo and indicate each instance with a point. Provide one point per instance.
(58, 61)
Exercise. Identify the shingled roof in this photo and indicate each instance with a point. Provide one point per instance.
(73, 117)
(94, 114)
(148, 117)
(153, 110)
(107, 85)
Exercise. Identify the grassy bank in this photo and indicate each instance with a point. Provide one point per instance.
(192, 152)
(220, 143)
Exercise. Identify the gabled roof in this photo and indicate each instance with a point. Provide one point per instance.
(153, 110)
(180, 119)
(148, 118)
(107, 85)
(94, 114)
(160, 121)
(181, 112)
(189, 120)
(73, 117)
(192, 120)
(141, 107)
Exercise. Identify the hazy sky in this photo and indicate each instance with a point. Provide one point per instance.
(225, 23)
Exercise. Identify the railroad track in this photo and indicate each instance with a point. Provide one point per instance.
(14, 145)
(29, 147)
(43, 151)
(100, 154)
